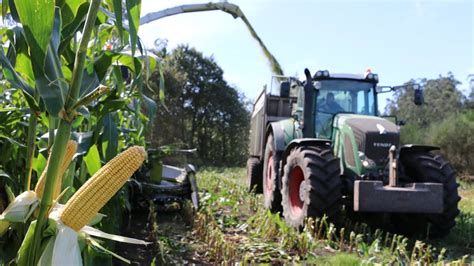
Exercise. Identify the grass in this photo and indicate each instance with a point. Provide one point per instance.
(232, 227)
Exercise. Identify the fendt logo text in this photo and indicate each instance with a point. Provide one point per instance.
(382, 144)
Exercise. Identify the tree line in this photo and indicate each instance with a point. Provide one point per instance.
(446, 119)
(200, 110)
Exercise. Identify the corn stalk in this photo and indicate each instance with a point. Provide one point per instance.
(64, 131)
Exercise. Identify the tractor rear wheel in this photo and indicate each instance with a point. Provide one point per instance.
(311, 185)
(254, 175)
(271, 169)
(427, 167)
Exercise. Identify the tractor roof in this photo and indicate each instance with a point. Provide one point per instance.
(347, 76)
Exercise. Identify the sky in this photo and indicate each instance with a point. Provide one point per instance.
(398, 40)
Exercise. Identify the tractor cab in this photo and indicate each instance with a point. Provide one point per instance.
(341, 93)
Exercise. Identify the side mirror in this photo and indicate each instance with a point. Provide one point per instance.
(418, 95)
(285, 89)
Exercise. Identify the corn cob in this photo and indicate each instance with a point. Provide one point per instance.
(70, 151)
(100, 188)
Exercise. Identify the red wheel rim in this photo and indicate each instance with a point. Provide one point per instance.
(295, 182)
(269, 174)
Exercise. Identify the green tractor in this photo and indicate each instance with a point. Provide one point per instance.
(318, 147)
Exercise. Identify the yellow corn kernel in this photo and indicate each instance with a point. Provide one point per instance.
(70, 151)
(100, 188)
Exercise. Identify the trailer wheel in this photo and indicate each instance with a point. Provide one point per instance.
(311, 185)
(271, 161)
(426, 167)
(254, 175)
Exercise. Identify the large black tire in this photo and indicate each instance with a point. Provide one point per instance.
(311, 185)
(255, 175)
(427, 167)
(271, 161)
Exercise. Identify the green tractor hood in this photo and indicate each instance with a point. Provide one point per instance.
(362, 142)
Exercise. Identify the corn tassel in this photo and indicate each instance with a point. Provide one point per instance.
(70, 151)
(100, 188)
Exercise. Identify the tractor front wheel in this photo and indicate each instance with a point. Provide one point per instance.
(427, 167)
(311, 185)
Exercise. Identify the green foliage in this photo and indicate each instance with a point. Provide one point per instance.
(201, 109)
(442, 99)
(52, 66)
(14, 115)
(37, 34)
(412, 133)
(455, 136)
(338, 259)
(445, 120)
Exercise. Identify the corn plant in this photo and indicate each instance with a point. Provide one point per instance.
(80, 72)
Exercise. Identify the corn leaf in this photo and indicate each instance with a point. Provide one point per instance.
(92, 160)
(23, 257)
(70, 28)
(24, 69)
(109, 137)
(4, 8)
(39, 163)
(84, 141)
(51, 85)
(97, 245)
(69, 10)
(133, 11)
(37, 18)
(12, 141)
(118, 17)
(90, 81)
(150, 107)
(16, 81)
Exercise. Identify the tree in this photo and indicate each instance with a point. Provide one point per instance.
(444, 120)
(442, 99)
(201, 110)
(470, 102)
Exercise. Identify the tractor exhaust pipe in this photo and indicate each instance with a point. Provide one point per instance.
(308, 110)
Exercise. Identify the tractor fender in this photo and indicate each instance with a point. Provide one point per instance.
(415, 148)
(278, 132)
(302, 142)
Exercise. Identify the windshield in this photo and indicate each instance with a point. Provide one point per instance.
(342, 96)
(348, 96)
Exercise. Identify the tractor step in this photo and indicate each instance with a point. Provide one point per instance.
(373, 196)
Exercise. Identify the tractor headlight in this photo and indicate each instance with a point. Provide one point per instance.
(376, 77)
(370, 76)
(326, 73)
(319, 74)
(366, 162)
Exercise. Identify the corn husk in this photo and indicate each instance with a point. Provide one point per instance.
(20, 209)
(64, 249)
